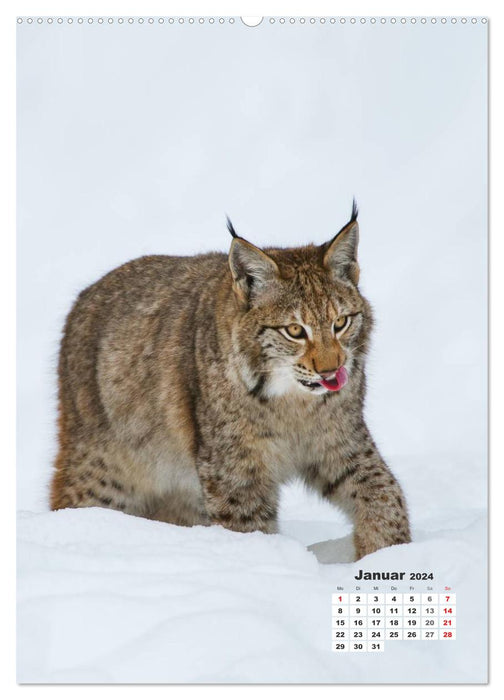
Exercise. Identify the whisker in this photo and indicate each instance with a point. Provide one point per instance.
(359, 346)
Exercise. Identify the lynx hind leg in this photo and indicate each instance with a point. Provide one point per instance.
(84, 479)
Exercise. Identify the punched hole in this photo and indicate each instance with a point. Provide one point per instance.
(251, 21)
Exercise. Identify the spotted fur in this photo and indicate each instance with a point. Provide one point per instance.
(182, 398)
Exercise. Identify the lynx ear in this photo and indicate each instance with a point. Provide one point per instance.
(251, 268)
(340, 254)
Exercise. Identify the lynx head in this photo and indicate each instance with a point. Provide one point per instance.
(302, 324)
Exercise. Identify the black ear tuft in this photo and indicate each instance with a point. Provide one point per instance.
(353, 218)
(340, 253)
(355, 211)
(230, 228)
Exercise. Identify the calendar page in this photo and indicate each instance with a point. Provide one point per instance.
(252, 349)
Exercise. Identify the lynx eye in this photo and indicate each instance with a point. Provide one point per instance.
(340, 323)
(295, 330)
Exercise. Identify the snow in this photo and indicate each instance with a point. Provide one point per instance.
(125, 152)
(108, 598)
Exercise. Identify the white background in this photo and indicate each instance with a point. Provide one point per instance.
(495, 251)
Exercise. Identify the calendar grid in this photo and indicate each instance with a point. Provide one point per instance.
(364, 622)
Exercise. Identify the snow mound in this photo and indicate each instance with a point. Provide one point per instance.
(108, 598)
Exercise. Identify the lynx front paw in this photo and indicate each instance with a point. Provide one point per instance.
(371, 541)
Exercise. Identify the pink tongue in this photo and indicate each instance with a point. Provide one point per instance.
(339, 380)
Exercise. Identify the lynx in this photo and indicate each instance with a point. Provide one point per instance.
(191, 388)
